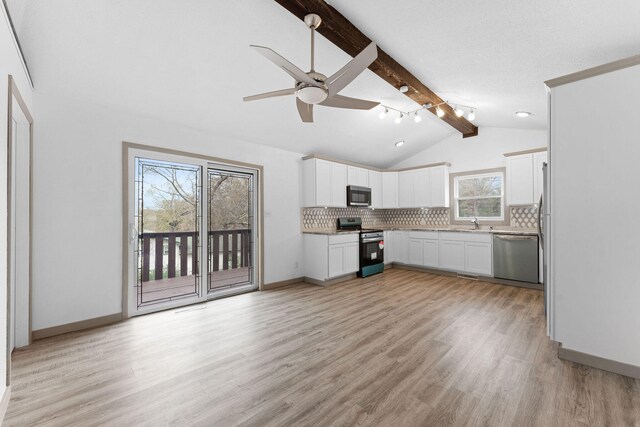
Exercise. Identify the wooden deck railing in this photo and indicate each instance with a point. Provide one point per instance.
(233, 245)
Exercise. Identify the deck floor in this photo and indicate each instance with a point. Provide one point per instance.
(154, 290)
(401, 348)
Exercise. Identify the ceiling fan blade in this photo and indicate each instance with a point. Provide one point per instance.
(288, 67)
(349, 72)
(305, 110)
(273, 94)
(339, 101)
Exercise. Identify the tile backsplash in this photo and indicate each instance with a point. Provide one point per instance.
(524, 216)
(325, 218)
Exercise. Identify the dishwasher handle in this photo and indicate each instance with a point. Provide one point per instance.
(506, 237)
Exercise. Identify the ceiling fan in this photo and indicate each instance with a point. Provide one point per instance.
(315, 88)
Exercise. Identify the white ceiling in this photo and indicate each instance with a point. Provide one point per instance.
(189, 62)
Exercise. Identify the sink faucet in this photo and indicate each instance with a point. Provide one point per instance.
(476, 225)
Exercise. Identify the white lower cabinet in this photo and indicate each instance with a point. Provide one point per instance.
(389, 246)
(478, 258)
(466, 252)
(423, 248)
(451, 255)
(330, 256)
(400, 247)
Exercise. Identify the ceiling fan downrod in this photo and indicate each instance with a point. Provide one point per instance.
(313, 21)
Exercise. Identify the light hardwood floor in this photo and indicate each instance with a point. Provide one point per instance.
(400, 349)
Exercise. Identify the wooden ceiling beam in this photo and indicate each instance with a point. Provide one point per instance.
(341, 32)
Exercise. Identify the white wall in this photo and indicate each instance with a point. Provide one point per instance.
(595, 241)
(78, 203)
(10, 63)
(484, 151)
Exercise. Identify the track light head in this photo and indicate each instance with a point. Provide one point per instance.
(439, 112)
(384, 113)
(399, 118)
(472, 115)
(459, 112)
(416, 117)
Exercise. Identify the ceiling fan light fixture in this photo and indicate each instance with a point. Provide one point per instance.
(439, 112)
(472, 115)
(384, 113)
(311, 94)
(459, 112)
(399, 118)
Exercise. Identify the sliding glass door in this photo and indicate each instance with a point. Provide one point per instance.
(183, 211)
(231, 228)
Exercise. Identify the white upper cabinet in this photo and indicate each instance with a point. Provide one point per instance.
(325, 183)
(357, 176)
(389, 190)
(420, 188)
(405, 189)
(426, 187)
(522, 178)
(375, 183)
(439, 186)
(538, 185)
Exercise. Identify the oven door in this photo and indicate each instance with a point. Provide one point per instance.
(371, 251)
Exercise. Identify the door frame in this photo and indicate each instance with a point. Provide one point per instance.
(14, 92)
(127, 149)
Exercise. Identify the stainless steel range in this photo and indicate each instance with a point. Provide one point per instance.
(371, 246)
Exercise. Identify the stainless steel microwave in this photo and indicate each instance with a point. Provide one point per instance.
(358, 196)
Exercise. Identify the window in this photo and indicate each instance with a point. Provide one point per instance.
(479, 196)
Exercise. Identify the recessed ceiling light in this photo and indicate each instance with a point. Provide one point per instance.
(399, 143)
(523, 114)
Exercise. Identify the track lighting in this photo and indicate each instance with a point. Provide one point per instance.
(458, 109)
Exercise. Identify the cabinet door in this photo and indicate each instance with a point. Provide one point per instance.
(451, 255)
(415, 252)
(338, 185)
(363, 177)
(405, 189)
(430, 253)
(520, 180)
(538, 184)
(375, 183)
(336, 260)
(421, 188)
(400, 247)
(351, 257)
(352, 175)
(323, 183)
(439, 187)
(389, 254)
(478, 258)
(389, 189)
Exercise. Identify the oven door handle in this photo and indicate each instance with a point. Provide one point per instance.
(373, 239)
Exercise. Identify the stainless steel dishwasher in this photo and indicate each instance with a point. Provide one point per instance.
(515, 257)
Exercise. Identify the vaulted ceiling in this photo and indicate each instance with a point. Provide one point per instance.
(189, 62)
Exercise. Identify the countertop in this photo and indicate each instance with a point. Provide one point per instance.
(518, 231)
